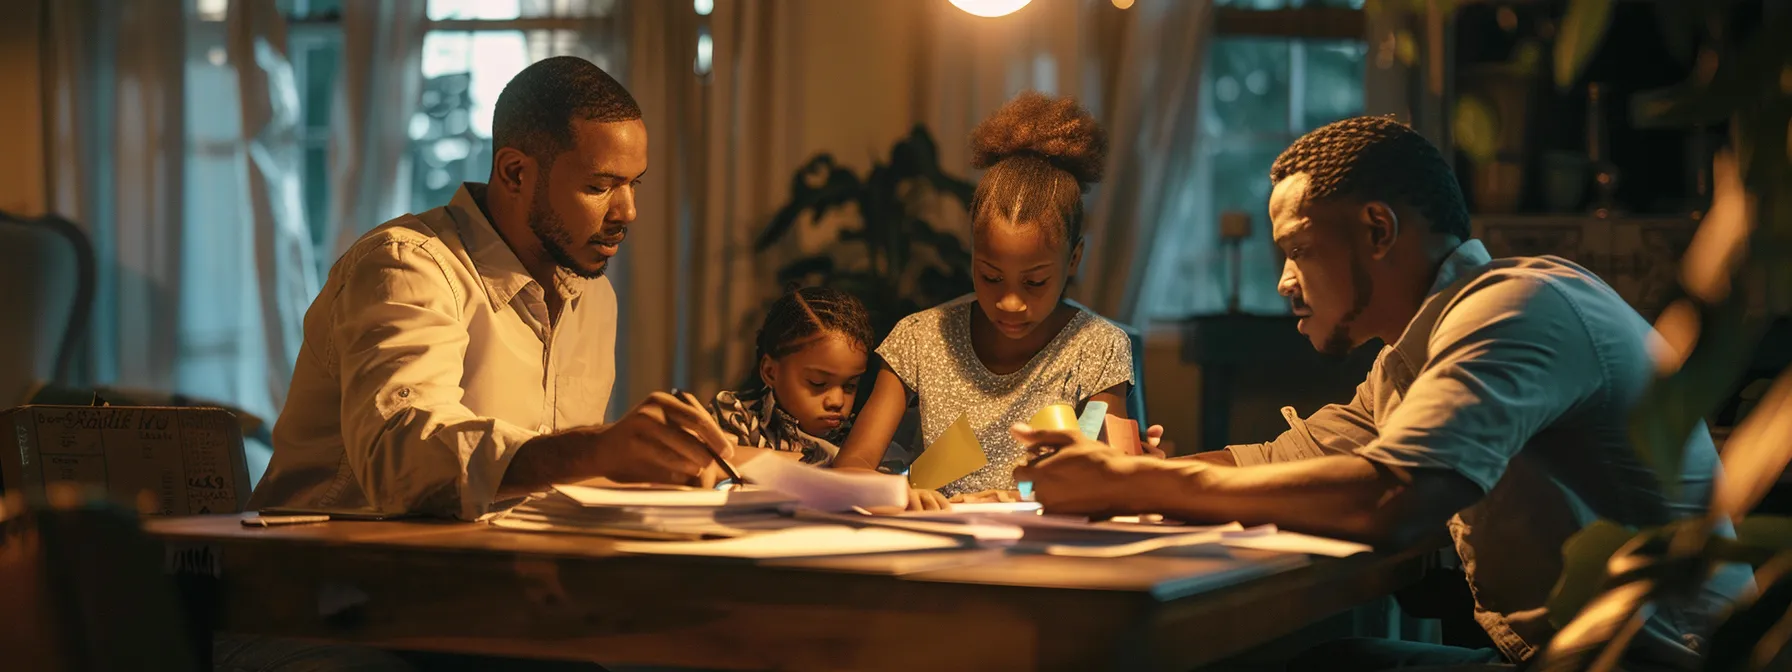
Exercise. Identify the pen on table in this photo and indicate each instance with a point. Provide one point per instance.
(726, 467)
(271, 521)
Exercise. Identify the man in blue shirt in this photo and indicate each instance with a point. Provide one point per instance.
(1499, 408)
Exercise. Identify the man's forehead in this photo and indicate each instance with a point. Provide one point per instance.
(1288, 206)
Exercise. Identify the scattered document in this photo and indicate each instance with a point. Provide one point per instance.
(1123, 435)
(989, 507)
(591, 496)
(798, 542)
(1295, 542)
(1056, 416)
(1093, 414)
(827, 489)
(955, 455)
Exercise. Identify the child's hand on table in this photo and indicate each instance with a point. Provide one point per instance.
(1153, 436)
(986, 496)
(926, 500)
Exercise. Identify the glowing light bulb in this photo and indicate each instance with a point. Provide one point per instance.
(990, 8)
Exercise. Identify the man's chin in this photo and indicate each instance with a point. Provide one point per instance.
(589, 271)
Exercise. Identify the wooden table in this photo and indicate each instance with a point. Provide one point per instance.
(473, 589)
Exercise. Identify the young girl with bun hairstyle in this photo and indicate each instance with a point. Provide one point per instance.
(1013, 346)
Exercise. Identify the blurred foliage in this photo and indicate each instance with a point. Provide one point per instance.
(1743, 246)
(892, 258)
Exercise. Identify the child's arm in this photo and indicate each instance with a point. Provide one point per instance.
(872, 431)
(1115, 397)
(876, 424)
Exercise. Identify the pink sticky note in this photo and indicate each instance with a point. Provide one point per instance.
(1123, 434)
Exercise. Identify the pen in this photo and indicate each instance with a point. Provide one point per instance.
(726, 467)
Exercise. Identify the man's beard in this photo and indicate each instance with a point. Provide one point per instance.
(551, 231)
(1339, 343)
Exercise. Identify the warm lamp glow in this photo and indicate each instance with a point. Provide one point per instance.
(1123, 4)
(990, 7)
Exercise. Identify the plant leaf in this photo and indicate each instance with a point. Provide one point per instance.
(1598, 636)
(1753, 637)
(801, 269)
(1584, 559)
(1578, 36)
(1757, 453)
(1774, 532)
(1664, 418)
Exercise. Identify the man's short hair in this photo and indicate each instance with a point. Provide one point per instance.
(1378, 159)
(535, 112)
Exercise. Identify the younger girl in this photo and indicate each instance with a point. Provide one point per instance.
(811, 350)
(1015, 345)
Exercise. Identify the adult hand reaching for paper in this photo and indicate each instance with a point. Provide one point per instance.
(662, 440)
(1074, 474)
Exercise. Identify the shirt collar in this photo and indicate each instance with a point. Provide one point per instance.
(1466, 257)
(499, 268)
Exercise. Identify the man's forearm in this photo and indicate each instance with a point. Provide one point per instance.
(543, 461)
(1346, 497)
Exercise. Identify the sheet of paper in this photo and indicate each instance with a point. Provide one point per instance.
(1295, 542)
(827, 489)
(953, 456)
(800, 542)
(1055, 416)
(1210, 539)
(643, 497)
(1123, 435)
(1093, 412)
(994, 507)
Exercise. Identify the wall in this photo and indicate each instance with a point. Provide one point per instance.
(22, 186)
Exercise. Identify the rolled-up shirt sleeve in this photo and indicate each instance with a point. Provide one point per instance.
(1336, 429)
(1510, 357)
(413, 447)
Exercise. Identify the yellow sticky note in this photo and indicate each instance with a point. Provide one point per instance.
(951, 457)
(1056, 416)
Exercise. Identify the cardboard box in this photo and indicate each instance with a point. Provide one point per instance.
(166, 460)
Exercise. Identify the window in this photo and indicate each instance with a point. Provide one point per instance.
(471, 49)
(1276, 69)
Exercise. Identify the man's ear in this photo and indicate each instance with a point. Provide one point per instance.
(1383, 225)
(511, 168)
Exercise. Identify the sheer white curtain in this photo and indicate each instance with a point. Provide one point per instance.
(972, 64)
(376, 94)
(1153, 124)
(789, 78)
(723, 146)
(117, 137)
(285, 272)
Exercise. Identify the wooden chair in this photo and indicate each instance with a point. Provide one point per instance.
(81, 589)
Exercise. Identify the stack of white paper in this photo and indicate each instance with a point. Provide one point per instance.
(800, 542)
(668, 513)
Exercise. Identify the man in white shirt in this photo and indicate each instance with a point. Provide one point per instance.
(465, 355)
(1500, 410)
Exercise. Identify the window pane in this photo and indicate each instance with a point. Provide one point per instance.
(317, 195)
(1247, 90)
(1333, 82)
(1258, 95)
(319, 70)
(463, 73)
(447, 10)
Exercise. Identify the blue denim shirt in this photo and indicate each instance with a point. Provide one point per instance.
(1520, 375)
